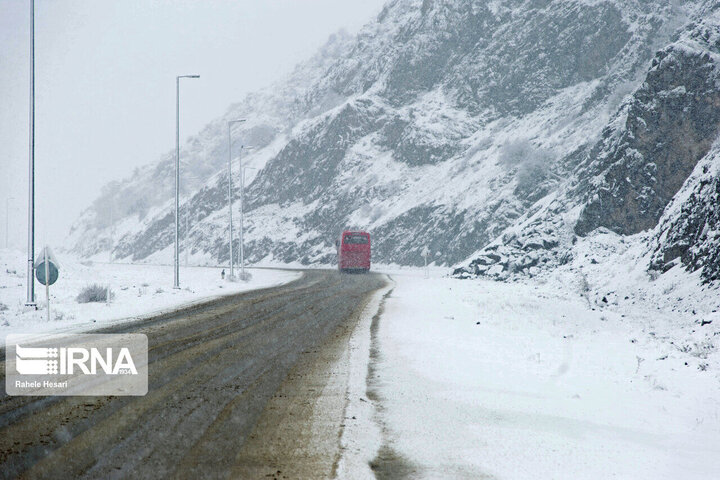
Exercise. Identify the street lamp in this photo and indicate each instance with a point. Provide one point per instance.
(177, 176)
(230, 123)
(30, 300)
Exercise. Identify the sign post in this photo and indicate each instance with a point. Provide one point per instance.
(47, 284)
(425, 253)
(47, 270)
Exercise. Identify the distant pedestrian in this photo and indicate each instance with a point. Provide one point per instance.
(222, 274)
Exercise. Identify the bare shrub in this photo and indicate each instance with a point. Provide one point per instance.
(93, 293)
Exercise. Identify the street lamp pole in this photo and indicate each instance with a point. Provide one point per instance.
(176, 283)
(30, 300)
(232, 265)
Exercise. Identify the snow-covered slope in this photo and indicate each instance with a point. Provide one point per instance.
(450, 124)
(128, 207)
(651, 177)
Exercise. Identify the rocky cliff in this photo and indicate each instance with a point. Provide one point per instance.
(652, 172)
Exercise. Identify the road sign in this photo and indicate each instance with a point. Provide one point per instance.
(52, 270)
(425, 254)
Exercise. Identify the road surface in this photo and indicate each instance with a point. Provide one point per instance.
(242, 387)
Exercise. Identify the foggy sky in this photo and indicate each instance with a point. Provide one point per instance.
(105, 85)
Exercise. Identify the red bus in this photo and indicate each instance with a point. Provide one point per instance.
(353, 251)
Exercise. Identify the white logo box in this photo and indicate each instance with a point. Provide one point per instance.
(77, 364)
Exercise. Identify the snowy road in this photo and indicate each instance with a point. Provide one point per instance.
(235, 388)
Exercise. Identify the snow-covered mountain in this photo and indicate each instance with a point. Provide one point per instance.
(651, 178)
(494, 132)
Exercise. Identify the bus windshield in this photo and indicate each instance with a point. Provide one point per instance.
(355, 239)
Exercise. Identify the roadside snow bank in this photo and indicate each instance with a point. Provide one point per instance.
(136, 291)
(481, 379)
(361, 436)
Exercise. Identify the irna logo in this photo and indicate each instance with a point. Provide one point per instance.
(77, 364)
(68, 361)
